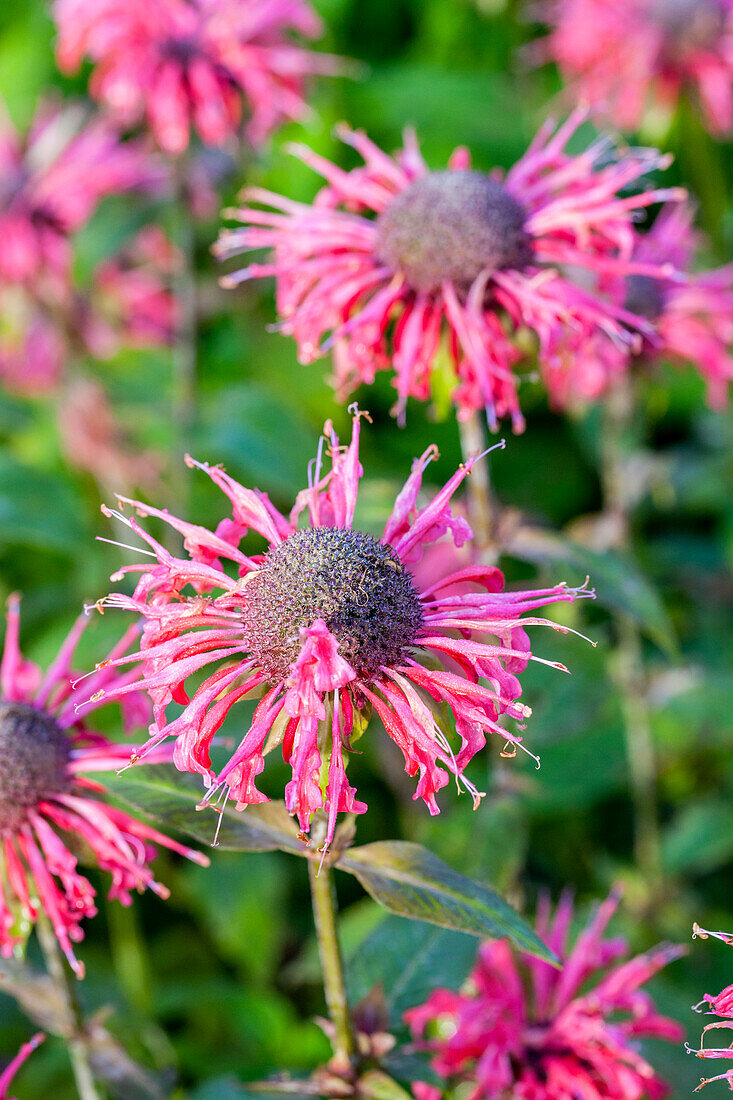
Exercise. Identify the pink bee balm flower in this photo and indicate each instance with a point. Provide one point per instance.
(12, 1068)
(46, 800)
(692, 315)
(524, 1029)
(425, 271)
(194, 65)
(323, 626)
(133, 302)
(722, 1006)
(52, 180)
(632, 55)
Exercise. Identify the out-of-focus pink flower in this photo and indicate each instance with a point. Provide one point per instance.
(720, 1005)
(524, 1029)
(46, 798)
(94, 441)
(12, 1068)
(325, 626)
(454, 263)
(131, 298)
(632, 55)
(51, 181)
(692, 315)
(32, 347)
(199, 65)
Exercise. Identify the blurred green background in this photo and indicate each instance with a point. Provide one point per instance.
(223, 979)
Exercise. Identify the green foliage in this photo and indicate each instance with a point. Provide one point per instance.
(218, 985)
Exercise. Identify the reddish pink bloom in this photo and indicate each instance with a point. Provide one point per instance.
(692, 315)
(722, 1006)
(12, 1068)
(31, 348)
(200, 64)
(524, 1029)
(324, 626)
(46, 746)
(131, 299)
(426, 272)
(632, 55)
(53, 178)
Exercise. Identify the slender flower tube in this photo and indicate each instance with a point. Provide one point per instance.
(630, 56)
(523, 1029)
(7, 1075)
(721, 1006)
(199, 65)
(47, 800)
(428, 272)
(325, 626)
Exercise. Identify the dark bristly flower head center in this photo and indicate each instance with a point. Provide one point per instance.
(358, 586)
(34, 757)
(688, 25)
(452, 226)
(645, 296)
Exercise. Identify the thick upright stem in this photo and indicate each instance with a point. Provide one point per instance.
(324, 911)
(185, 351)
(58, 974)
(480, 496)
(627, 668)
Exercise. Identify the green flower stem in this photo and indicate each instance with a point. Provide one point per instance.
(186, 345)
(618, 442)
(323, 896)
(481, 503)
(74, 1024)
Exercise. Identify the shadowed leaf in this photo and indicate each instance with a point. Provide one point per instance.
(410, 881)
(170, 798)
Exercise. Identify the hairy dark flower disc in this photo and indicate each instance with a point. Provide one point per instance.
(34, 757)
(358, 586)
(451, 226)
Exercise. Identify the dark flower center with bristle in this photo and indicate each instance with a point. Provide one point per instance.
(644, 296)
(34, 758)
(688, 25)
(452, 226)
(358, 586)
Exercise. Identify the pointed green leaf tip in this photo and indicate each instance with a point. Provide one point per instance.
(404, 878)
(410, 881)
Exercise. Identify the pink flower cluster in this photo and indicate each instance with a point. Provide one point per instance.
(720, 1005)
(201, 65)
(523, 1029)
(691, 313)
(436, 273)
(53, 179)
(630, 56)
(325, 626)
(47, 749)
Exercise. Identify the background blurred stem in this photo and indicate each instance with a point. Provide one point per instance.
(58, 973)
(481, 505)
(619, 441)
(185, 351)
(323, 895)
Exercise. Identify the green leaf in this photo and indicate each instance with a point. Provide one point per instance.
(618, 582)
(39, 509)
(408, 960)
(410, 881)
(700, 838)
(170, 798)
